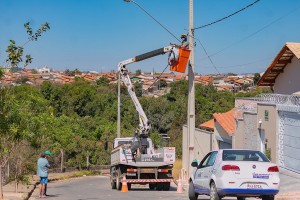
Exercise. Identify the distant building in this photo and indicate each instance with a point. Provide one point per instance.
(43, 70)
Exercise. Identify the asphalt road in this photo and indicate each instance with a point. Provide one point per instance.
(98, 188)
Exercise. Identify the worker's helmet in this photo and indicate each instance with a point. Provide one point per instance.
(183, 36)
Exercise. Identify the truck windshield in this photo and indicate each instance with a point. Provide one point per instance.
(124, 142)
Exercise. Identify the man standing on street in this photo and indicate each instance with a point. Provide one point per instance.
(42, 171)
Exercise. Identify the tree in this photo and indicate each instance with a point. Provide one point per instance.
(138, 89)
(231, 74)
(138, 72)
(256, 78)
(69, 72)
(161, 83)
(15, 53)
(12, 129)
(102, 81)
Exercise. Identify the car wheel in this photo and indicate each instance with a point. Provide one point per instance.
(241, 198)
(268, 197)
(213, 192)
(192, 194)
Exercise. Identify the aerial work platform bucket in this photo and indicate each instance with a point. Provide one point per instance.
(180, 65)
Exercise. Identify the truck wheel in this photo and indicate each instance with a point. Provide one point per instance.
(113, 184)
(118, 181)
(159, 186)
(112, 181)
(129, 186)
(166, 186)
(152, 186)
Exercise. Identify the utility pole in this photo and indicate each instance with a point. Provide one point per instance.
(119, 104)
(191, 97)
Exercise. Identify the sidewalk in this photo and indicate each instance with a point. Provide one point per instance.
(25, 191)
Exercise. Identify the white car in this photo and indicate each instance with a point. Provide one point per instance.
(237, 173)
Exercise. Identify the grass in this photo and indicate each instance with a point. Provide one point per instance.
(177, 168)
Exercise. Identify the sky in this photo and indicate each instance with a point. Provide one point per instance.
(95, 35)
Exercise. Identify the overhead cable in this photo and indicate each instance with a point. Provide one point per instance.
(208, 56)
(259, 30)
(155, 19)
(219, 20)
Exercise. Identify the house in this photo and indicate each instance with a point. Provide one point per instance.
(214, 134)
(271, 122)
(282, 75)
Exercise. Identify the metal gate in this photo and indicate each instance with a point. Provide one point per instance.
(289, 140)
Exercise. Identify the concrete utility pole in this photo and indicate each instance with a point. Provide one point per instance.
(119, 104)
(191, 98)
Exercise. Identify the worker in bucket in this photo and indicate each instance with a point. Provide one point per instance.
(174, 54)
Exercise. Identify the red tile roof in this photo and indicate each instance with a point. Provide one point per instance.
(208, 125)
(226, 120)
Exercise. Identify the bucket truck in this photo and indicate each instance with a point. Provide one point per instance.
(135, 157)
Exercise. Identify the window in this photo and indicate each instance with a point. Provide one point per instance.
(209, 160)
(266, 115)
(244, 155)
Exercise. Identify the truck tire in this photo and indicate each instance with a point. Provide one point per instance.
(112, 181)
(129, 186)
(159, 186)
(118, 180)
(152, 186)
(166, 186)
(113, 184)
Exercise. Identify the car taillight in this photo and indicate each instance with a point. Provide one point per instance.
(273, 169)
(230, 168)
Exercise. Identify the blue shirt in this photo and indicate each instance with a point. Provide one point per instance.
(42, 167)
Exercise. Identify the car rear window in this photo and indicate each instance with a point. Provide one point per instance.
(244, 155)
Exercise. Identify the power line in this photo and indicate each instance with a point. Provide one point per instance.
(153, 19)
(208, 56)
(219, 20)
(256, 32)
(249, 63)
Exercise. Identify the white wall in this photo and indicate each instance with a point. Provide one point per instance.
(288, 82)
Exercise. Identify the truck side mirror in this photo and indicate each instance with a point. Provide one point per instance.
(105, 145)
(194, 164)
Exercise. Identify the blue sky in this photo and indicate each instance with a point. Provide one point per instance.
(96, 35)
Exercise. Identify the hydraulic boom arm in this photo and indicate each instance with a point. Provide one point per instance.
(144, 125)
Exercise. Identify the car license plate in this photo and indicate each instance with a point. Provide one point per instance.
(254, 186)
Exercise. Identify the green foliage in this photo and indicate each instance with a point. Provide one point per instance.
(138, 87)
(231, 74)
(268, 153)
(102, 81)
(15, 52)
(138, 72)
(161, 83)
(78, 118)
(256, 78)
